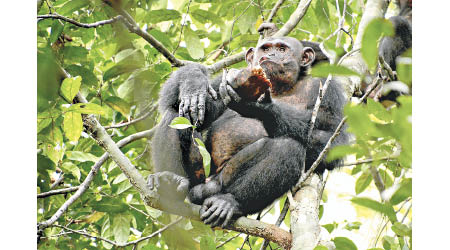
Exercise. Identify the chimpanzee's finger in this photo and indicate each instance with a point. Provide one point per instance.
(193, 109)
(213, 216)
(201, 108)
(228, 218)
(221, 217)
(208, 213)
(212, 92)
(187, 103)
(233, 94)
(180, 108)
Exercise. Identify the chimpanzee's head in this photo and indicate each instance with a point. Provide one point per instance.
(283, 59)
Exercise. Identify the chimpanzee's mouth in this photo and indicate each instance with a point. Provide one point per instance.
(262, 59)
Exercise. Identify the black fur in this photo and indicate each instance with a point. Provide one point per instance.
(266, 168)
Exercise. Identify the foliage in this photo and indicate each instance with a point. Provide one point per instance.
(120, 75)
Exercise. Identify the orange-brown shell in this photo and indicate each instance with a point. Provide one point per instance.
(255, 86)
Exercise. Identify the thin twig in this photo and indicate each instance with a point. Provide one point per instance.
(367, 161)
(58, 191)
(133, 27)
(115, 243)
(182, 26)
(327, 147)
(58, 181)
(228, 240)
(132, 121)
(274, 10)
(278, 222)
(82, 25)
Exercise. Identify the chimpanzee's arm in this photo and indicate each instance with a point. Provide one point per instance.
(190, 93)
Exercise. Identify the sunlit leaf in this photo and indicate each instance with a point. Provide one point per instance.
(73, 125)
(343, 243)
(403, 193)
(118, 104)
(109, 205)
(377, 28)
(323, 69)
(87, 108)
(385, 209)
(70, 87)
(401, 229)
(81, 156)
(121, 228)
(205, 155)
(193, 44)
(180, 123)
(363, 182)
(156, 16)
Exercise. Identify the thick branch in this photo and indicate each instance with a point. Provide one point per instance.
(287, 27)
(274, 10)
(152, 198)
(58, 191)
(304, 216)
(83, 25)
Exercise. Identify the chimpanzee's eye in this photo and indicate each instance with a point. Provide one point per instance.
(265, 49)
(282, 48)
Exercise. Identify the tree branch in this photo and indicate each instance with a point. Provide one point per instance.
(287, 27)
(58, 191)
(133, 27)
(119, 244)
(83, 25)
(274, 10)
(120, 125)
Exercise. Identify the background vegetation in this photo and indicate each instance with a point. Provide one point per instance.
(86, 52)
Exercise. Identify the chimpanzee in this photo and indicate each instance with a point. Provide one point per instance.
(392, 47)
(255, 130)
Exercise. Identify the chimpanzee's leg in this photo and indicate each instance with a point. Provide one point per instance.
(261, 180)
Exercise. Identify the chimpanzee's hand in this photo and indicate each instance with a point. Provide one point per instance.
(193, 97)
(219, 209)
(169, 184)
(242, 88)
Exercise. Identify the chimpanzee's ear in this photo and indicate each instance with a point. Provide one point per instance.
(308, 57)
(249, 55)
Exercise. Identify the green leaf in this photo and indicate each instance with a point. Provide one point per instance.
(128, 60)
(330, 227)
(72, 6)
(323, 69)
(75, 53)
(180, 123)
(81, 156)
(87, 108)
(43, 123)
(320, 247)
(363, 182)
(207, 243)
(385, 209)
(70, 87)
(343, 243)
(193, 44)
(118, 104)
(401, 229)
(353, 225)
(377, 28)
(403, 193)
(121, 228)
(57, 29)
(88, 76)
(389, 243)
(205, 16)
(205, 155)
(404, 69)
(156, 16)
(73, 125)
(69, 167)
(248, 20)
(109, 205)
